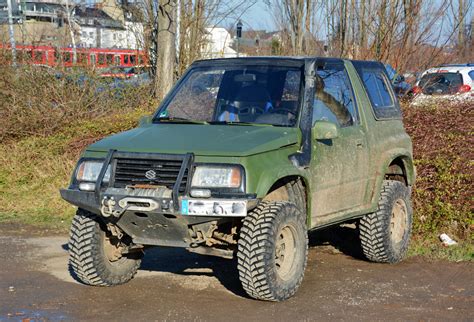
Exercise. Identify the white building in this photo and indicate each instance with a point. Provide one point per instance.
(218, 43)
(98, 29)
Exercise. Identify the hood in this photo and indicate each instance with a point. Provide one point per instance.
(212, 140)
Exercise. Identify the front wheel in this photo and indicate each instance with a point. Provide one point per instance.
(95, 256)
(272, 251)
(385, 234)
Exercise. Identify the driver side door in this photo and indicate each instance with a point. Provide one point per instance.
(340, 165)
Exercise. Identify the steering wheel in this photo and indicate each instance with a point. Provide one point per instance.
(283, 110)
(251, 110)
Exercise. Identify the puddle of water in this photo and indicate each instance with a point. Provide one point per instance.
(34, 316)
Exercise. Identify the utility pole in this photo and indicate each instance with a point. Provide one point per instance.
(11, 31)
(71, 32)
(239, 35)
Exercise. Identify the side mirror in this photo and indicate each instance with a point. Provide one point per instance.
(324, 130)
(399, 79)
(145, 120)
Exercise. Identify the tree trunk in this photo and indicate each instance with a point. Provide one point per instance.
(165, 67)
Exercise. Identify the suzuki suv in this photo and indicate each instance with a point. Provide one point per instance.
(243, 158)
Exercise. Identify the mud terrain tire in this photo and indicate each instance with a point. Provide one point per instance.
(272, 251)
(89, 245)
(385, 234)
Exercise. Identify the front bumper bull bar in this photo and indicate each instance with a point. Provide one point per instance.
(153, 220)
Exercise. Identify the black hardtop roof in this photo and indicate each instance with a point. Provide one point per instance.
(274, 60)
(271, 60)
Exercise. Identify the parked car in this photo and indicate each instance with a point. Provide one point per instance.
(452, 82)
(242, 158)
(400, 86)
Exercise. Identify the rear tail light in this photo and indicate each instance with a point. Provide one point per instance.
(416, 90)
(464, 89)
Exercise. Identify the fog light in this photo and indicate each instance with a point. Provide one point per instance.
(200, 193)
(87, 186)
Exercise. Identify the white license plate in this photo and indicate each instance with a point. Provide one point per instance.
(224, 208)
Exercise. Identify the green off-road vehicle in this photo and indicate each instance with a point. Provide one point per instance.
(244, 157)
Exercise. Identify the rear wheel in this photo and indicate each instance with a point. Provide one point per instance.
(96, 256)
(272, 251)
(385, 234)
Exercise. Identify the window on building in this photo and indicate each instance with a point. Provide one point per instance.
(334, 101)
(93, 59)
(133, 59)
(126, 59)
(117, 60)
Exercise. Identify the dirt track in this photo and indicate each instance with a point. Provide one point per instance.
(175, 285)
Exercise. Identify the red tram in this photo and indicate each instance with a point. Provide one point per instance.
(99, 57)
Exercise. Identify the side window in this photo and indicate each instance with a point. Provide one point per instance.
(101, 59)
(67, 57)
(379, 89)
(291, 88)
(471, 74)
(110, 59)
(334, 99)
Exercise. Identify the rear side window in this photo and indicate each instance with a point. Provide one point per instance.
(378, 89)
(441, 83)
(471, 74)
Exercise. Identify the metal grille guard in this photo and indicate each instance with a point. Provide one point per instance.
(186, 165)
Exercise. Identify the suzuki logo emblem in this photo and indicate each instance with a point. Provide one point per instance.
(150, 174)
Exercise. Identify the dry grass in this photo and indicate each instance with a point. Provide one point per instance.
(47, 117)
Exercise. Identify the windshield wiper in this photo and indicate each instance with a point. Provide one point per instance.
(238, 123)
(181, 120)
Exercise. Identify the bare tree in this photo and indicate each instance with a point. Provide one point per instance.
(405, 33)
(166, 37)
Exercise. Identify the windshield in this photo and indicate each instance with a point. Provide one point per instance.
(441, 83)
(236, 95)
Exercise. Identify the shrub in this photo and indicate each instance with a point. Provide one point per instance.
(442, 144)
(39, 100)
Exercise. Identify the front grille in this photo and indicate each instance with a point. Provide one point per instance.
(133, 171)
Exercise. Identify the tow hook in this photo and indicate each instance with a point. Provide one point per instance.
(108, 208)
